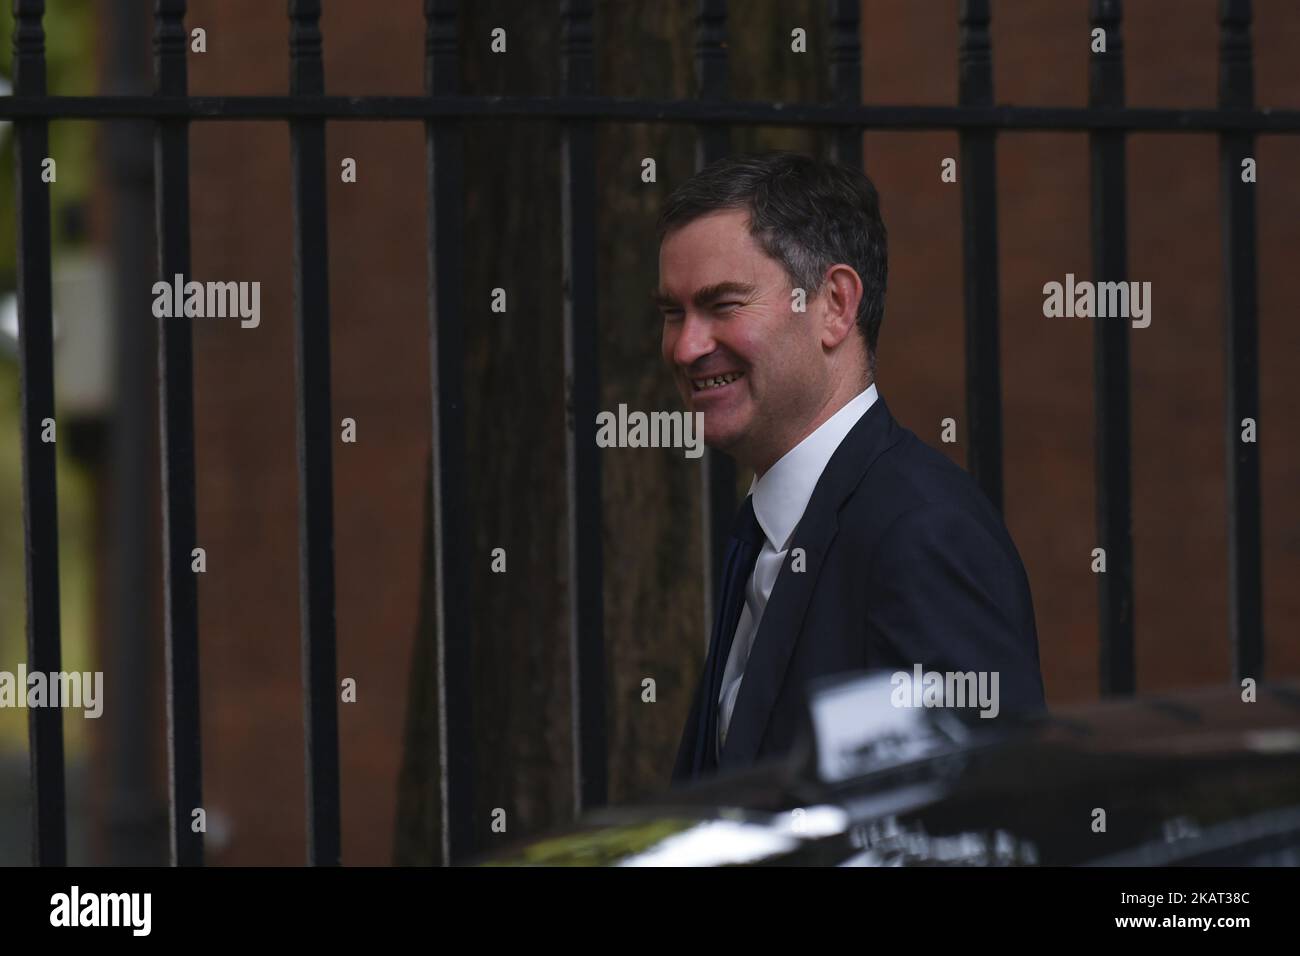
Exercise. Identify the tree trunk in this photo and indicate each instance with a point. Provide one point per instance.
(654, 569)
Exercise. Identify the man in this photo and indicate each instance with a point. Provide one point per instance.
(859, 547)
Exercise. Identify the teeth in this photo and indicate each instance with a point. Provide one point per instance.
(717, 381)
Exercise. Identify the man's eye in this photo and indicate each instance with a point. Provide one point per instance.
(724, 305)
(671, 315)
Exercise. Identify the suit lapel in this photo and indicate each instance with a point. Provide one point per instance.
(777, 634)
(786, 606)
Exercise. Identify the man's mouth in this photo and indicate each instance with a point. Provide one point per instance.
(714, 381)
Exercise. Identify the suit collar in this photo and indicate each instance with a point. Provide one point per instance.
(781, 496)
(783, 617)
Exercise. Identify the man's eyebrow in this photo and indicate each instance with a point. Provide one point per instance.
(706, 294)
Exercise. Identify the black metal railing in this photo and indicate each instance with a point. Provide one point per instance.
(445, 110)
(176, 436)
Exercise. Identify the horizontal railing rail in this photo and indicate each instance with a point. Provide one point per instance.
(395, 108)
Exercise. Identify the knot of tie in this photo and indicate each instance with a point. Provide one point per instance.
(745, 526)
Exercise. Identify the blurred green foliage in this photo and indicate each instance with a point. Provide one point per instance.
(71, 61)
(69, 71)
(595, 844)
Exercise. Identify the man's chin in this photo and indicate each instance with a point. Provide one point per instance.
(728, 440)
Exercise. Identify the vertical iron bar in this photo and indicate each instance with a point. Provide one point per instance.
(979, 209)
(136, 823)
(1241, 348)
(446, 226)
(846, 77)
(40, 498)
(135, 813)
(713, 141)
(176, 434)
(315, 437)
(1111, 365)
(582, 385)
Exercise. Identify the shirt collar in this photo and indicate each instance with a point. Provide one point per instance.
(782, 494)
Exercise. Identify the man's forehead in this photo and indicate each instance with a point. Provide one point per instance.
(729, 228)
(694, 260)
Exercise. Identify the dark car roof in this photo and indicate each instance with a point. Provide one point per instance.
(1197, 776)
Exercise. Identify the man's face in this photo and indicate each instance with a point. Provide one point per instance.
(727, 311)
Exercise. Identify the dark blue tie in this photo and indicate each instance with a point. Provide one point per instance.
(742, 552)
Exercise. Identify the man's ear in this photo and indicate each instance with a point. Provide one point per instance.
(842, 291)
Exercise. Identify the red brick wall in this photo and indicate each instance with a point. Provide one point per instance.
(252, 706)
(244, 384)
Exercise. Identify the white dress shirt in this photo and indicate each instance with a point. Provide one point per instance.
(780, 498)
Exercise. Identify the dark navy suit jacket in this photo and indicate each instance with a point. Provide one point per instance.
(907, 562)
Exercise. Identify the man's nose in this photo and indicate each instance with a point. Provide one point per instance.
(694, 340)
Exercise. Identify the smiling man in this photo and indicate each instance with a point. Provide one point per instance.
(858, 546)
